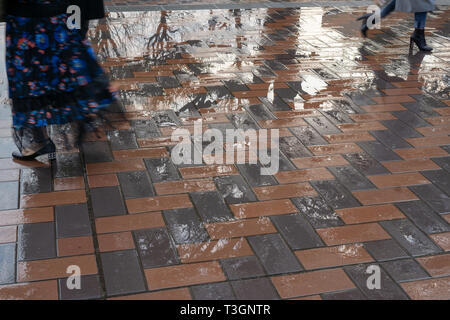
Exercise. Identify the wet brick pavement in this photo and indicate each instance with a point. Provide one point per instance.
(364, 141)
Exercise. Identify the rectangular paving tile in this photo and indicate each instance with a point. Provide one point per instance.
(436, 265)
(115, 166)
(234, 189)
(274, 254)
(352, 294)
(42, 290)
(404, 270)
(242, 267)
(390, 140)
(424, 217)
(410, 237)
(35, 215)
(8, 234)
(210, 206)
(52, 199)
(338, 148)
(184, 186)
(308, 136)
(389, 290)
(72, 221)
(383, 250)
(155, 248)
(440, 178)
(122, 272)
(185, 226)
(135, 184)
(434, 197)
(184, 275)
(7, 263)
(399, 180)
(98, 151)
(90, 289)
(430, 289)
(158, 203)
(115, 241)
(107, 201)
(208, 171)
(378, 151)
(370, 214)
(421, 153)
(365, 164)
(410, 165)
(161, 169)
(263, 208)
(255, 289)
(370, 197)
(318, 213)
(252, 173)
(335, 194)
(213, 291)
(240, 228)
(293, 148)
(35, 180)
(293, 176)
(9, 198)
(67, 165)
(36, 241)
(314, 282)
(351, 178)
(284, 191)
(352, 234)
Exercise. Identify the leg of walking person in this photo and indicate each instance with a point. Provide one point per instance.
(387, 10)
(418, 37)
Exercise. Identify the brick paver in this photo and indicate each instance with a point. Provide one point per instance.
(363, 177)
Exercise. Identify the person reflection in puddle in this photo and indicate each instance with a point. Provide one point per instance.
(55, 82)
(420, 8)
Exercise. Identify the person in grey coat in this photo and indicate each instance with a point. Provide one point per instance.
(420, 8)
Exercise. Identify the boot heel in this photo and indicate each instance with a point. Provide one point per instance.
(411, 45)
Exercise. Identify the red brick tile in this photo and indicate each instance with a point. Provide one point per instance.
(282, 123)
(208, 171)
(158, 203)
(335, 149)
(42, 290)
(103, 180)
(8, 234)
(140, 153)
(361, 126)
(436, 265)
(320, 161)
(115, 241)
(349, 137)
(430, 289)
(250, 94)
(443, 111)
(184, 186)
(240, 228)
(421, 153)
(398, 180)
(439, 121)
(296, 113)
(316, 297)
(369, 117)
(383, 108)
(369, 214)
(184, 275)
(402, 91)
(129, 222)
(442, 239)
(12, 217)
(353, 234)
(75, 246)
(52, 198)
(310, 283)
(173, 294)
(333, 256)
(214, 250)
(429, 141)
(115, 166)
(410, 165)
(71, 183)
(407, 84)
(262, 209)
(284, 191)
(368, 197)
(393, 99)
(159, 142)
(54, 268)
(434, 131)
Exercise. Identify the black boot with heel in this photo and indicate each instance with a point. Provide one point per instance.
(418, 38)
(49, 149)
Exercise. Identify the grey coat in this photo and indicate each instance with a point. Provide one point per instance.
(414, 5)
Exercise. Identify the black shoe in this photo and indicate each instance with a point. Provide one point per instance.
(418, 38)
(49, 149)
(364, 27)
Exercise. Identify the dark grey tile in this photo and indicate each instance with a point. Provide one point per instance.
(135, 184)
(213, 291)
(390, 140)
(422, 110)
(72, 221)
(308, 136)
(335, 194)
(365, 164)
(410, 237)
(144, 129)
(252, 173)
(91, 288)
(167, 82)
(378, 151)
(243, 121)
(242, 267)
(410, 118)
(440, 178)
(234, 189)
(254, 289)
(161, 170)
(235, 85)
(433, 196)
(293, 148)
(383, 250)
(274, 254)
(185, 226)
(424, 217)
(107, 201)
(98, 151)
(7, 263)
(443, 162)
(389, 290)
(9, 195)
(352, 294)
(401, 129)
(219, 92)
(122, 272)
(404, 270)
(360, 99)
(317, 212)
(322, 125)
(351, 178)
(155, 248)
(286, 93)
(36, 241)
(67, 165)
(36, 180)
(337, 116)
(166, 118)
(278, 104)
(122, 140)
(260, 112)
(211, 207)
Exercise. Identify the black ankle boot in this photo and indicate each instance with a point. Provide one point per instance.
(418, 38)
(364, 27)
(49, 149)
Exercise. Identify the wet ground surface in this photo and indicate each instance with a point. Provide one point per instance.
(364, 169)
